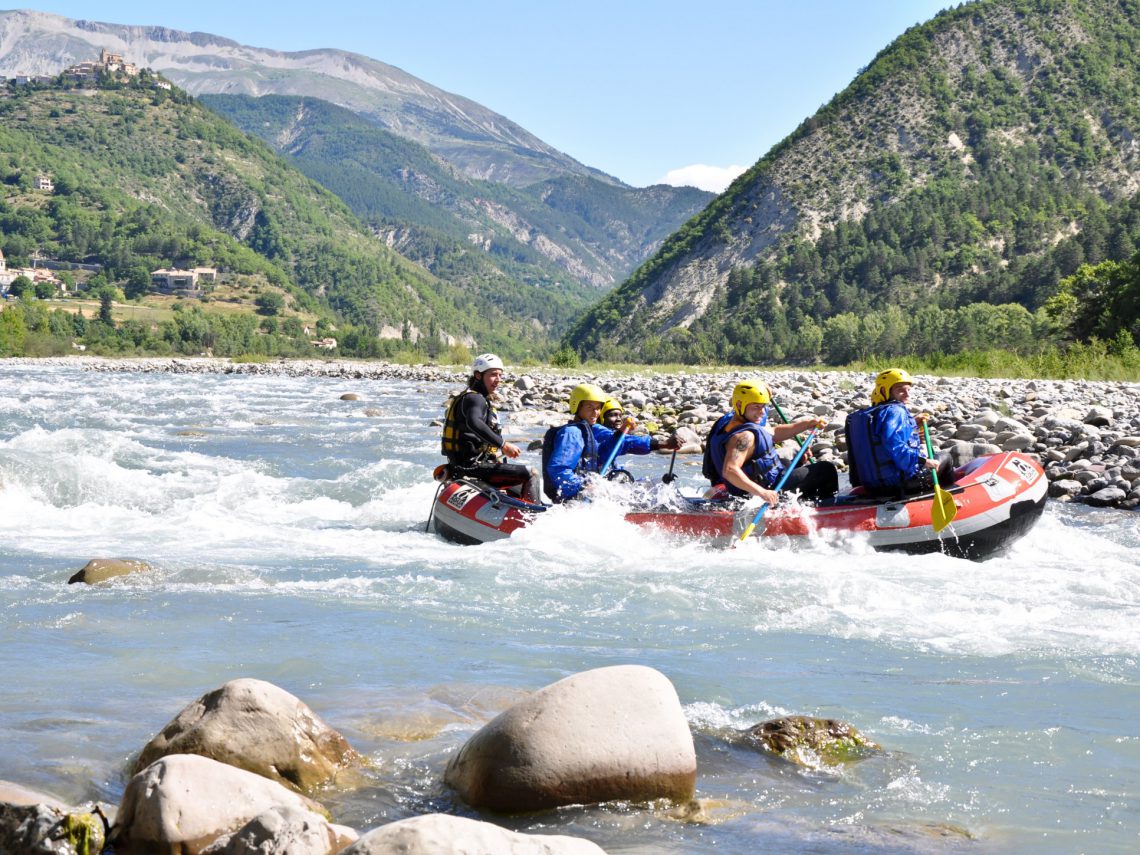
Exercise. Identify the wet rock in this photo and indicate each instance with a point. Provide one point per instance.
(284, 831)
(182, 803)
(441, 834)
(1106, 497)
(259, 727)
(43, 829)
(805, 740)
(373, 412)
(611, 733)
(101, 569)
(1064, 488)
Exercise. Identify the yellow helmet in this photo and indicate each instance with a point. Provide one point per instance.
(749, 392)
(881, 392)
(586, 392)
(610, 404)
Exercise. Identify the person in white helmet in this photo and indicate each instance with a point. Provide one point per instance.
(472, 438)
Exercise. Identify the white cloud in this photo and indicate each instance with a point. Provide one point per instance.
(702, 176)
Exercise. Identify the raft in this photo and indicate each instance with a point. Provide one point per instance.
(468, 511)
(999, 498)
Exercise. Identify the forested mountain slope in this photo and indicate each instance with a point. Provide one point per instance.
(979, 159)
(560, 234)
(146, 178)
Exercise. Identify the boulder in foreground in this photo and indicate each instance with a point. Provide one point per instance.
(601, 735)
(181, 804)
(259, 727)
(441, 834)
(284, 831)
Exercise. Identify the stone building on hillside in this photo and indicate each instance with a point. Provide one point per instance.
(187, 283)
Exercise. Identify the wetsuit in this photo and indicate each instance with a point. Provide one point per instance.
(472, 439)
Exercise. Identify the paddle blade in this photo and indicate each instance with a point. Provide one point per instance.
(943, 510)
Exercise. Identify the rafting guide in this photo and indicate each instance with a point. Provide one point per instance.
(472, 438)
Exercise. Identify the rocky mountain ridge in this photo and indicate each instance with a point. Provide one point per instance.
(480, 142)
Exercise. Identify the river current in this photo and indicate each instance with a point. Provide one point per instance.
(285, 528)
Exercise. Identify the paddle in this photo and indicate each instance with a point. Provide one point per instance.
(669, 477)
(785, 420)
(614, 451)
(783, 480)
(943, 510)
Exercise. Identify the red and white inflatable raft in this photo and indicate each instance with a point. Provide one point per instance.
(469, 511)
(999, 498)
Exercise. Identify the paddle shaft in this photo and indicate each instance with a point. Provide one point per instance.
(930, 453)
(785, 420)
(669, 477)
(614, 451)
(780, 485)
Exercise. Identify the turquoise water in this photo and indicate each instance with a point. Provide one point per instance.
(286, 532)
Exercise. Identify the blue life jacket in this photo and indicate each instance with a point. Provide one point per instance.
(588, 462)
(868, 456)
(764, 467)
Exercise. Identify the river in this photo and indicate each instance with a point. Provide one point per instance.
(286, 531)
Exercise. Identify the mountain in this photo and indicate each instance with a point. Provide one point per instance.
(480, 142)
(978, 160)
(566, 223)
(146, 177)
(569, 229)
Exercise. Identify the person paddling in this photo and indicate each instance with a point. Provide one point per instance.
(884, 442)
(472, 438)
(740, 453)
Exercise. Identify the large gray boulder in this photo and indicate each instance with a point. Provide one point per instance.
(259, 727)
(441, 834)
(284, 831)
(181, 804)
(611, 733)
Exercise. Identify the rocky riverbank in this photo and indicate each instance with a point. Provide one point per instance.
(241, 769)
(1086, 433)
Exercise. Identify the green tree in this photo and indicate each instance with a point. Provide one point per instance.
(20, 286)
(269, 303)
(106, 301)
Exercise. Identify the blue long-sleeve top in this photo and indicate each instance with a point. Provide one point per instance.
(565, 461)
(607, 437)
(898, 435)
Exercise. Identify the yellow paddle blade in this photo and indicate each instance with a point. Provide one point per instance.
(943, 510)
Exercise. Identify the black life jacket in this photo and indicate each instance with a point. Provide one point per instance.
(457, 444)
(764, 467)
(588, 462)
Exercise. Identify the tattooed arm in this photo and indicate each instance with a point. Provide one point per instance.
(736, 456)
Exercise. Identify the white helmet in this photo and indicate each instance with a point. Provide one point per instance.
(486, 362)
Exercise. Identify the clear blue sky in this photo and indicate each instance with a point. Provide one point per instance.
(636, 88)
